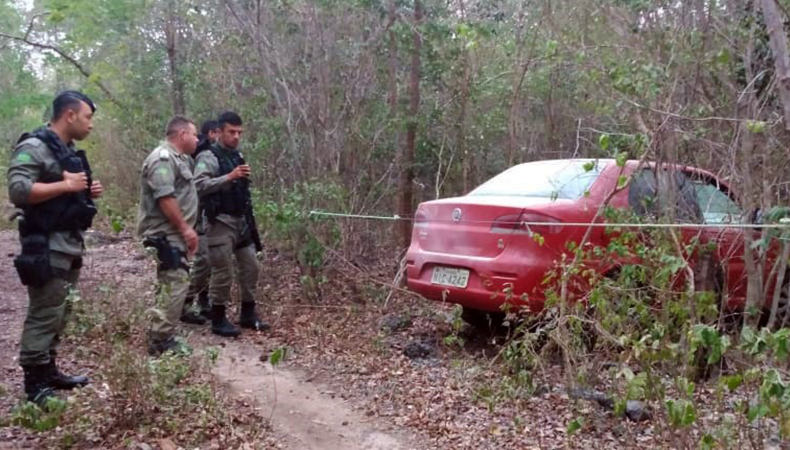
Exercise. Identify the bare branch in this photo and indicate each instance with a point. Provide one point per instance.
(82, 69)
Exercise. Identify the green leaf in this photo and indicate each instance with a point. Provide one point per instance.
(756, 410)
(755, 126)
(722, 57)
(551, 47)
(622, 181)
(707, 442)
(603, 141)
(574, 425)
(621, 159)
(277, 356)
(732, 381)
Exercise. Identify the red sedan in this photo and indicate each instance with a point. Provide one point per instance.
(496, 245)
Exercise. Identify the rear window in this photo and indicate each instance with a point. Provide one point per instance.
(550, 179)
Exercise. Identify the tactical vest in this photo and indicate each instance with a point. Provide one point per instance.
(67, 212)
(235, 200)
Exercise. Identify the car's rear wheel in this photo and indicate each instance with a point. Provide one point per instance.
(483, 320)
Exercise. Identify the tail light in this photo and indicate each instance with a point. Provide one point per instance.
(526, 223)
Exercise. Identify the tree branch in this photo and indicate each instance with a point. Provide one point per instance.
(82, 69)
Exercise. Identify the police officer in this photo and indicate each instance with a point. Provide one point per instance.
(222, 180)
(201, 271)
(50, 181)
(166, 218)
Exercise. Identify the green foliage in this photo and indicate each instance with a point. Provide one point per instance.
(682, 413)
(277, 356)
(44, 418)
(574, 425)
(456, 326)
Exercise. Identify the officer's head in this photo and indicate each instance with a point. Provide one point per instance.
(230, 129)
(72, 112)
(182, 134)
(210, 130)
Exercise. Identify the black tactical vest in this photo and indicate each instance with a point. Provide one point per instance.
(235, 200)
(67, 212)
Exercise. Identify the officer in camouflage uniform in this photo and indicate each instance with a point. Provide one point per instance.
(222, 180)
(201, 271)
(50, 182)
(166, 218)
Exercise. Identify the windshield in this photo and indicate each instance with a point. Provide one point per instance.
(550, 179)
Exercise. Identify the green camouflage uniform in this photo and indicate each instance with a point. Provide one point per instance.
(224, 235)
(167, 173)
(48, 305)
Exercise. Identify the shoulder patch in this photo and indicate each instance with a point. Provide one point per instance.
(23, 157)
(201, 165)
(164, 154)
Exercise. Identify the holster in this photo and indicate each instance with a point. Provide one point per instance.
(33, 265)
(170, 258)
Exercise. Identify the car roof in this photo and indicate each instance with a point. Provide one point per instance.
(630, 162)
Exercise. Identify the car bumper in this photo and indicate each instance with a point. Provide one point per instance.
(512, 280)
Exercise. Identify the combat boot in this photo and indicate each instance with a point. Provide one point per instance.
(58, 380)
(205, 304)
(249, 319)
(190, 316)
(37, 386)
(220, 324)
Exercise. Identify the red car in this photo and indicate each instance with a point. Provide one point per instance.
(476, 250)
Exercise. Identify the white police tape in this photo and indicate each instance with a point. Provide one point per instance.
(784, 223)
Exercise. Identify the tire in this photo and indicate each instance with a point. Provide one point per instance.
(483, 320)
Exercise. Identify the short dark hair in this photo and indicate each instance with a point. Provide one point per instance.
(176, 124)
(208, 126)
(69, 100)
(229, 117)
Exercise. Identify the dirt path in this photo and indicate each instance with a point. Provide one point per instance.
(306, 415)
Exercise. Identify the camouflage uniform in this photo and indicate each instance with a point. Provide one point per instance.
(167, 173)
(48, 309)
(227, 236)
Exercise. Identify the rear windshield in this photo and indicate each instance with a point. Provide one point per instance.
(550, 179)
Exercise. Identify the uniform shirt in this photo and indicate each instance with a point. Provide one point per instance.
(31, 161)
(166, 173)
(208, 182)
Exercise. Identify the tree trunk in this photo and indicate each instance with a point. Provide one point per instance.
(171, 42)
(407, 160)
(774, 23)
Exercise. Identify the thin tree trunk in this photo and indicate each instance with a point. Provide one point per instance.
(171, 43)
(407, 161)
(774, 22)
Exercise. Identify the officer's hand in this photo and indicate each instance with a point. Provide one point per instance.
(191, 239)
(96, 189)
(242, 171)
(75, 182)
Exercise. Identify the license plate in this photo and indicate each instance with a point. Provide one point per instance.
(447, 276)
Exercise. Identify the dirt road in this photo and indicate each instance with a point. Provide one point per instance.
(304, 415)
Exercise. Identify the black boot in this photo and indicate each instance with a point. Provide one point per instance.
(205, 305)
(37, 386)
(220, 324)
(190, 316)
(159, 345)
(249, 319)
(58, 380)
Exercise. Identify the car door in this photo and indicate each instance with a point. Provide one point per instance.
(720, 208)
